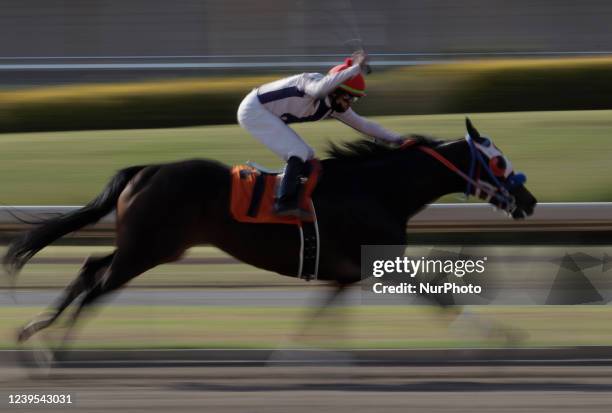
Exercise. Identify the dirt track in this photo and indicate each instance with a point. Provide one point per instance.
(307, 389)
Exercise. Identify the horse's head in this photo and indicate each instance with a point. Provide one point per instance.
(485, 171)
(494, 179)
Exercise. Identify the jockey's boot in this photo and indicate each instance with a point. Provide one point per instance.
(287, 199)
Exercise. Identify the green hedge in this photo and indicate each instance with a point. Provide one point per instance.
(493, 86)
(480, 86)
(124, 106)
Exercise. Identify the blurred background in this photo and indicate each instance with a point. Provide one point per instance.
(89, 87)
(130, 66)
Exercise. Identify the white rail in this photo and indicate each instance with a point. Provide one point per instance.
(548, 217)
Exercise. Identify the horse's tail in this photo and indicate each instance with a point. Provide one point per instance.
(28, 244)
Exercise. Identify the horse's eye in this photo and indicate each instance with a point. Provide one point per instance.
(498, 165)
(485, 142)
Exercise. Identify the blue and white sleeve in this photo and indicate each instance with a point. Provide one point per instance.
(367, 127)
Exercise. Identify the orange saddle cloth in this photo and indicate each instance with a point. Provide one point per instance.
(253, 193)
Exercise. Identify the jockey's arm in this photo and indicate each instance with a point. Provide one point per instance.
(320, 87)
(367, 127)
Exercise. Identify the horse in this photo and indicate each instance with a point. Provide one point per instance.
(366, 194)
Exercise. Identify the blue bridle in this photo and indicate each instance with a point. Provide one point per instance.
(502, 191)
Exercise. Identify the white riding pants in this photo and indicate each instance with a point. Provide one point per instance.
(270, 130)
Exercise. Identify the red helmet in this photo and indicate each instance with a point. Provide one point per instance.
(355, 85)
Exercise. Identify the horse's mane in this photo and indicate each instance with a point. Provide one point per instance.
(365, 149)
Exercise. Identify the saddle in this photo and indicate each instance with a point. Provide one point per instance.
(254, 190)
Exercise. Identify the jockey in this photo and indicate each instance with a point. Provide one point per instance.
(307, 97)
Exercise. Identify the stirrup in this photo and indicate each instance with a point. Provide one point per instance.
(293, 211)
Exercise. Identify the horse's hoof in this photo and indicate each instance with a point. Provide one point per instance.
(38, 359)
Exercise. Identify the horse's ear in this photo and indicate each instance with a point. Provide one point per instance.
(471, 129)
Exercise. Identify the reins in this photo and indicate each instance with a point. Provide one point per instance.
(500, 193)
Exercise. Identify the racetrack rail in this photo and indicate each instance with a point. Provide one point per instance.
(556, 356)
(556, 223)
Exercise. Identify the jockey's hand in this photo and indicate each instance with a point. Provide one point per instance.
(360, 57)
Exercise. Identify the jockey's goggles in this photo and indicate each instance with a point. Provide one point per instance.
(348, 97)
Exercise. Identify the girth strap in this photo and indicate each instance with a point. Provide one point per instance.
(309, 248)
(258, 190)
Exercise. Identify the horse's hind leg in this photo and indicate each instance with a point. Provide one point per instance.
(122, 269)
(86, 279)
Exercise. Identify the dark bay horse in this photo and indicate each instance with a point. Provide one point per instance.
(365, 196)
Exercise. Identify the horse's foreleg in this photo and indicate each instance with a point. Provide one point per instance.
(322, 310)
(84, 280)
(488, 327)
